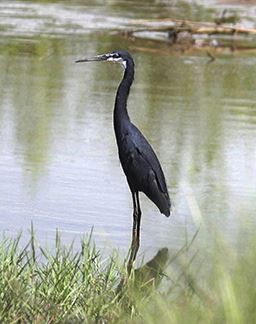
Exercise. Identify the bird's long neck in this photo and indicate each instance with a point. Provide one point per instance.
(121, 117)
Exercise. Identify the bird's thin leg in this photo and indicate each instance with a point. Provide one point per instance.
(135, 244)
(134, 225)
(138, 216)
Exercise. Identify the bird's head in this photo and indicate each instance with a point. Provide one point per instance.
(121, 57)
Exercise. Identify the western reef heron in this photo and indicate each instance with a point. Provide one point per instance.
(140, 163)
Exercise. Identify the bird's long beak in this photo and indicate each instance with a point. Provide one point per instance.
(92, 59)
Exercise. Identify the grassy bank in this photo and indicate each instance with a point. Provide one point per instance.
(67, 286)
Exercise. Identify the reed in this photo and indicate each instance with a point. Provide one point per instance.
(67, 286)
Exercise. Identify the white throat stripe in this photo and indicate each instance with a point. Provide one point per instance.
(118, 60)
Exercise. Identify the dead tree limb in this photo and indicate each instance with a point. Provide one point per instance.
(178, 25)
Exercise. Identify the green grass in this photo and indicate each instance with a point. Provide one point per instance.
(66, 286)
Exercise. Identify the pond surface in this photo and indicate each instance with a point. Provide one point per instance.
(59, 166)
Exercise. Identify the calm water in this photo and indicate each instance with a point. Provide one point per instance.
(59, 166)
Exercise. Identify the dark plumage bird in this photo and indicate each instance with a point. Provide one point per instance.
(140, 163)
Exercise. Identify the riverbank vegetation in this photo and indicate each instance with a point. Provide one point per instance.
(67, 286)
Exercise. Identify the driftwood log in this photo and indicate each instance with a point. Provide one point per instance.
(190, 26)
(186, 35)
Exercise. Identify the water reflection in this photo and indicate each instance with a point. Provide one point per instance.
(146, 277)
(175, 268)
(151, 273)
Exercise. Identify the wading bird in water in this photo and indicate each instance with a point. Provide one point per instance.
(140, 163)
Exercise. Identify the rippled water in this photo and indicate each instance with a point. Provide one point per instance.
(59, 166)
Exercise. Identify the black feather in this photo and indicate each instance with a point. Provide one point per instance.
(142, 168)
(139, 161)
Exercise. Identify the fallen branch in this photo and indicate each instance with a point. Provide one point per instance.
(178, 25)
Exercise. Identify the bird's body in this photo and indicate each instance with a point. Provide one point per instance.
(142, 168)
(139, 161)
(140, 164)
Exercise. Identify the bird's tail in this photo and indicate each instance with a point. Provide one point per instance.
(161, 199)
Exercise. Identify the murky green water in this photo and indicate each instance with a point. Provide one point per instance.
(59, 166)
